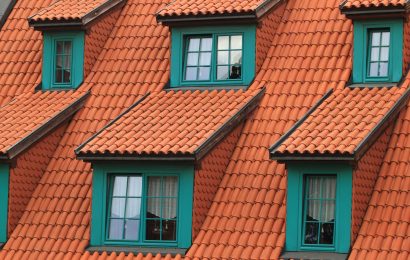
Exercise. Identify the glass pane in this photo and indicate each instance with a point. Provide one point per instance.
(170, 186)
(384, 55)
(326, 233)
(236, 42)
(191, 73)
(193, 44)
(153, 208)
(134, 186)
(192, 59)
(59, 63)
(59, 76)
(205, 58)
(67, 76)
(169, 230)
(375, 54)
(169, 208)
(120, 186)
(67, 48)
(313, 210)
(67, 62)
(222, 72)
(328, 211)
(223, 57)
(311, 233)
(206, 44)
(329, 188)
(373, 69)
(133, 208)
(313, 187)
(383, 69)
(235, 72)
(60, 46)
(154, 186)
(386, 38)
(153, 230)
(223, 42)
(117, 207)
(204, 73)
(236, 57)
(376, 39)
(116, 229)
(132, 228)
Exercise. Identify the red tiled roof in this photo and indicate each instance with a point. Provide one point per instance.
(64, 10)
(172, 123)
(351, 4)
(26, 116)
(343, 123)
(210, 7)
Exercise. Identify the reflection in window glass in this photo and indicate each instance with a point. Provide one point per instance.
(63, 62)
(198, 58)
(229, 57)
(379, 47)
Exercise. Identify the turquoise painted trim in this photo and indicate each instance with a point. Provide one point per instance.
(178, 36)
(4, 200)
(360, 50)
(294, 208)
(101, 174)
(49, 52)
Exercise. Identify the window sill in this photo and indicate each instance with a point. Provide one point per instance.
(313, 255)
(202, 88)
(138, 249)
(373, 85)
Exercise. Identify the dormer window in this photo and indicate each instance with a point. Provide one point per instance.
(63, 62)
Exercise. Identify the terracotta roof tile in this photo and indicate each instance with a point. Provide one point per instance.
(352, 4)
(209, 7)
(63, 10)
(171, 123)
(25, 115)
(342, 123)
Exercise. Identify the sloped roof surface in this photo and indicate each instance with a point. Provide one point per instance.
(25, 114)
(209, 7)
(171, 123)
(67, 10)
(342, 122)
(351, 4)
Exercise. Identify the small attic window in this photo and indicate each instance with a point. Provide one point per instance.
(377, 57)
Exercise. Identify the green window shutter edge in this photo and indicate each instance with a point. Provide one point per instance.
(178, 52)
(360, 48)
(78, 38)
(101, 171)
(4, 200)
(294, 208)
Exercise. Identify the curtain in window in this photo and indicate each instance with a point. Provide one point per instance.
(162, 190)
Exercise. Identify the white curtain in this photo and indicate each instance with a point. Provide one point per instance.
(166, 189)
(321, 191)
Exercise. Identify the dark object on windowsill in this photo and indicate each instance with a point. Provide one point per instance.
(138, 249)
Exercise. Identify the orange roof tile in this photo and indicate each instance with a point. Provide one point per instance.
(173, 123)
(352, 4)
(28, 117)
(342, 124)
(78, 10)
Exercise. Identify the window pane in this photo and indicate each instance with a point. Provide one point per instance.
(135, 186)
(153, 230)
(153, 208)
(169, 208)
(117, 207)
(170, 186)
(154, 186)
(386, 38)
(376, 39)
(120, 186)
(236, 42)
(191, 73)
(194, 44)
(373, 69)
(222, 72)
(223, 42)
(132, 229)
(236, 57)
(329, 188)
(375, 54)
(383, 69)
(67, 76)
(116, 229)
(206, 44)
(169, 230)
(313, 210)
(67, 48)
(311, 233)
(235, 72)
(205, 59)
(133, 208)
(384, 55)
(313, 187)
(223, 57)
(60, 46)
(204, 73)
(59, 63)
(192, 59)
(59, 76)
(326, 233)
(328, 211)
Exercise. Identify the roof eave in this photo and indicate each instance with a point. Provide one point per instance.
(376, 12)
(92, 157)
(285, 158)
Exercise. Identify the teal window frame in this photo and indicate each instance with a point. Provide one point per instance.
(103, 171)
(179, 47)
(49, 59)
(361, 50)
(4, 200)
(297, 171)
